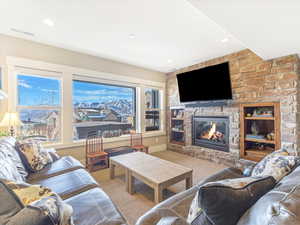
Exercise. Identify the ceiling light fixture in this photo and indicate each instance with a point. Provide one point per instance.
(225, 40)
(131, 36)
(48, 22)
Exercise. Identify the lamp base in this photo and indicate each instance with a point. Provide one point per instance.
(12, 132)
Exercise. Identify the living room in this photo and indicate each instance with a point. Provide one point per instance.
(113, 114)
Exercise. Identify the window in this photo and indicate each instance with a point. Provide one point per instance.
(39, 106)
(152, 109)
(103, 109)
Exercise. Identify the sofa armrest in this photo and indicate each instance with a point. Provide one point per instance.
(162, 216)
(30, 215)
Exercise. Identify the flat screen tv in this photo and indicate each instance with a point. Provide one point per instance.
(206, 84)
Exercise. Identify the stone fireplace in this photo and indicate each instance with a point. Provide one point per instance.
(211, 132)
(253, 80)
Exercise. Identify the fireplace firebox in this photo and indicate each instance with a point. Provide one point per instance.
(211, 132)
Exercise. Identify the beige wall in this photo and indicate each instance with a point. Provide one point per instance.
(16, 47)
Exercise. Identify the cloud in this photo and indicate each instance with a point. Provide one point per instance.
(49, 90)
(23, 83)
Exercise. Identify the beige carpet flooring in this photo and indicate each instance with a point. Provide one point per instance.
(134, 206)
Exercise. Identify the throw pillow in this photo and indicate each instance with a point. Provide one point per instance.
(277, 164)
(44, 199)
(224, 202)
(33, 156)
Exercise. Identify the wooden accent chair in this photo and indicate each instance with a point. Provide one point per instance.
(96, 158)
(136, 142)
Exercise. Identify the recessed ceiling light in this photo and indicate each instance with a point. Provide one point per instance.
(225, 40)
(131, 36)
(170, 61)
(48, 22)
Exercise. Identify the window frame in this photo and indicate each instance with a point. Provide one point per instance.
(159, 108)
(17, 65)
(59, 108)
(108, 83)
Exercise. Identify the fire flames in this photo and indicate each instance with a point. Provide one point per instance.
(212, 133)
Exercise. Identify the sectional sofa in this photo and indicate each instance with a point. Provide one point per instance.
(68, 178)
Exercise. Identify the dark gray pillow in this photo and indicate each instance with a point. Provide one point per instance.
(224, 202)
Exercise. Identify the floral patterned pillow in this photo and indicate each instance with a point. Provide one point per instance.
(278, 164)
(33, 155)
(44, 199)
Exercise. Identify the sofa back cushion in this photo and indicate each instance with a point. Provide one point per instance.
(7, 146)
(8, 170)
(279, 206)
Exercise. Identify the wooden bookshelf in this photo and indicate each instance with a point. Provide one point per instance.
(177, 135)
(260, 130)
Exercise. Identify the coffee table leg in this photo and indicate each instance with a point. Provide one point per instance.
(158, 194)
(188, 182)
(130, 182)
(112, 170)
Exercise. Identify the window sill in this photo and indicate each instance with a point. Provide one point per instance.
(81, 143)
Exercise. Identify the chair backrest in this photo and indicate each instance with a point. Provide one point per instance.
(136, 139)
(94, 144)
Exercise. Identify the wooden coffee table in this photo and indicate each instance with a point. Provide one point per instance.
(155, 172)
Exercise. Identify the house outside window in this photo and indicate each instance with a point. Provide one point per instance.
(39, 107)
(103, 109)
(152, 109)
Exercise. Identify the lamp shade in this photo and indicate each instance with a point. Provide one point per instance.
(3, 95)
(11, 119)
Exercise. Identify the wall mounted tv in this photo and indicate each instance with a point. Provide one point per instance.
(206, 84)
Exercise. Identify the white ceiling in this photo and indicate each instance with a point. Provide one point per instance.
(167, 34)
(164, 30)
(270, 28)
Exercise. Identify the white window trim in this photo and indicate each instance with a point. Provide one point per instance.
(67, 74)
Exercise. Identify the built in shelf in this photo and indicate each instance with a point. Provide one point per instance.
(265, 123)
(260, 140)
(255, 154)
(259, 118)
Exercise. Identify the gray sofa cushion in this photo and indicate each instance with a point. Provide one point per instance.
(224, 202)
(279, 206)
(69, 184)
(94, 207)
(8, 169)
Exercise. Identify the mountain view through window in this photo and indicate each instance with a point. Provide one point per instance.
(102, 109)
(39, 106)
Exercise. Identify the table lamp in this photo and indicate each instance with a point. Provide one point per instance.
(11, 120)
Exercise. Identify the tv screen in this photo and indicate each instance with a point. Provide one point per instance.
(206, 84)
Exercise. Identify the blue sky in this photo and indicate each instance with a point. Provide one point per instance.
(35, 91)
(93, 92)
